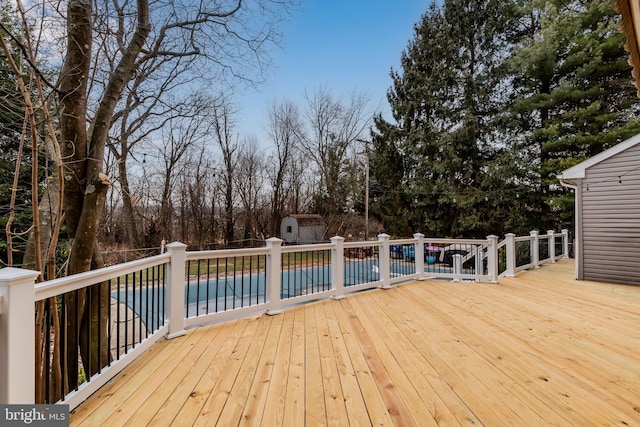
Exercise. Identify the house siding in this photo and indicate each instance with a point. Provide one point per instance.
(610, 199)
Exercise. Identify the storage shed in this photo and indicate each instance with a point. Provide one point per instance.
(607, 218)
(303, 228)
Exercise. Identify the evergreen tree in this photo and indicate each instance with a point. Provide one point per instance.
(575, 96)
(444, 165)
(11, 120)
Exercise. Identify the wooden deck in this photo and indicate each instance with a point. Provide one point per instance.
(540, 349)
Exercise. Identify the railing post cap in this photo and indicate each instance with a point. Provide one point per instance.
(12, 275)
(177, 245)
(551, 232)
(510, 235)
(335, 239)
(273, 241)
(418, 235)
(533, 233)
(492, 236)
(383, 236)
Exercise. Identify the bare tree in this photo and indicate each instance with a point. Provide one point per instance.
(199, 186)
(181, 136)
(222, 122)
(301, 186)
(138, 122)
(286, 130)
(249, 180)
(334, 128)
(170, 66)
(229, 36)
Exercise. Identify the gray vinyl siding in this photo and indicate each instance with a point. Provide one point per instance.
(611, 219)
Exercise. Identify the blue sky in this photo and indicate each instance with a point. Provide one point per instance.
(343, 45)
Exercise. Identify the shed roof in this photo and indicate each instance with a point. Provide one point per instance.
(308, 219)
(579, 170)
(630, 26)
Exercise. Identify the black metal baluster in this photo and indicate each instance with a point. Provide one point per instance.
(226, 263)
(303, 269)
(87, 363)
(235, 290)
(109, 327)
(126, 314)
(208, 283)
(47, 364)
(140, 323)
(63, 341)
(217, 282)
(251, 281)
(133, 307)
(198, 289)
(100, 285)
(154, 307)
(188, 287)
(242, 277)
(284, 263)
(118, 319)
(324, 263)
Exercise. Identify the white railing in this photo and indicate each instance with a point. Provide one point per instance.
(524, 252)
(212, 286)
(17, 328)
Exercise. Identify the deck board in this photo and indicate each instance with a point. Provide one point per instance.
(537, 349)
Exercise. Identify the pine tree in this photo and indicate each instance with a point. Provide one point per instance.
(575, 93)
(444, 165)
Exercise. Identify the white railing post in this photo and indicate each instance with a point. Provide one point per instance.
(457, 266)
(337, 267)
(552, 245)
(174, 297)
(535, 249)
(273, 285)
(492, 258)
(384, 267)
(565, 243)
(418, 251)
(17, 339)
(510, 245)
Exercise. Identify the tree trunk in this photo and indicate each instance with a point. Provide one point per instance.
(86, 185)
(48, 208)
(166, 210)
(129, 222)
(228, 213)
